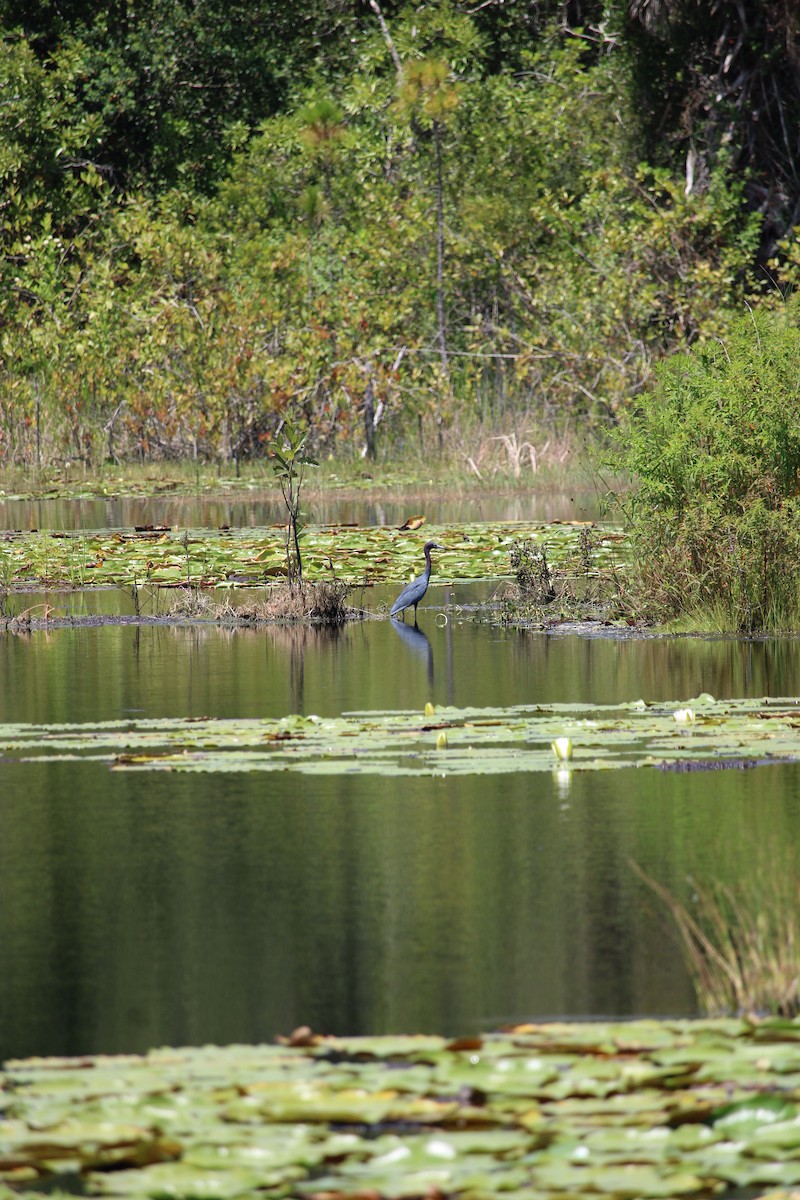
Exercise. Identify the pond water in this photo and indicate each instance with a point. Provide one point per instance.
(139, 909)
(142, 909)
(265, 507)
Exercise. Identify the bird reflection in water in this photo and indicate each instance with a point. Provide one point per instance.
(417, 641)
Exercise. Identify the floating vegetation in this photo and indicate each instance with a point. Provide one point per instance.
(487, 741)
(624, 1110)
(249, 557)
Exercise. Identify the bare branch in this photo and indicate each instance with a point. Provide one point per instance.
(387, 37)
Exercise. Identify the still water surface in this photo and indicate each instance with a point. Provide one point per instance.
(143, 909)
(259, 508)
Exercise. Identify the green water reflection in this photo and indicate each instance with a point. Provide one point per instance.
(143, 909)
(253, 509)
(112, 672)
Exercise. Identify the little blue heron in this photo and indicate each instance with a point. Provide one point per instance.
(413, 592)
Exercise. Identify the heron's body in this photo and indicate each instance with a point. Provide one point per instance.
(413, 592)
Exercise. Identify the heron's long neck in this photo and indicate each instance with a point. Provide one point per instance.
(427, 571)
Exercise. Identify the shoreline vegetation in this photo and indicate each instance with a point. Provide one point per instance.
(510, 462)
(195, 563)
(432, 239)
(392, 226)
(686, 515)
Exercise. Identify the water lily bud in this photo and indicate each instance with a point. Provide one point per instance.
(562, 748)
(430, 709)
(684, 716)
(441, 741)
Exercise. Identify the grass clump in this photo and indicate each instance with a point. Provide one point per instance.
(715, 448)
(573, 589)
(323, 603)
(741, 942)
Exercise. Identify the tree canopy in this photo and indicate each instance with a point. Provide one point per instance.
(219, 215)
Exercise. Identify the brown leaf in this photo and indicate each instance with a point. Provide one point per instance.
(302, 1036)
(465, 1043)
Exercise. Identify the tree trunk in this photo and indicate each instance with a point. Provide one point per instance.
(437, 138)
(369, 419)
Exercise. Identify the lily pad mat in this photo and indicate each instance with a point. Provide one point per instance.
(234, 557)
(640, 1109)
(114, 485)
(443, 741)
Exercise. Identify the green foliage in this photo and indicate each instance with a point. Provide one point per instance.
(715, 448)
(220, 215)
(156, 89)
(696, 70)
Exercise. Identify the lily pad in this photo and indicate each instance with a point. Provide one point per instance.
(645, 1109)
(479, 741)
(249, 557)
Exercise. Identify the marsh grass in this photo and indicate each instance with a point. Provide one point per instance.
(474, 456)
(741, 941)
(190, 601)
(714, 575)
(322, 603)
(716, 617)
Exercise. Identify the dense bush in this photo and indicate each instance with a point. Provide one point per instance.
(715, 448)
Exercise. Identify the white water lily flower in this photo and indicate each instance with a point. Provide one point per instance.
(439, 1148)
(684, 716)
(562, 748)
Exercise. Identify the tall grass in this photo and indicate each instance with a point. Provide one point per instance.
(473, 457)
(322, 603)
(741, 941)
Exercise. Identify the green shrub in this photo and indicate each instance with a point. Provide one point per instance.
(715, 451)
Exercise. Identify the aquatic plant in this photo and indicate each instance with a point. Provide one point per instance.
(741, 941)
(169, 557)
(643, 1109)
(289, 464)
(480, 741)
(579, 583)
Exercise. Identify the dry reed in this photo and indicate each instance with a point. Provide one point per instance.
(740, 941)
